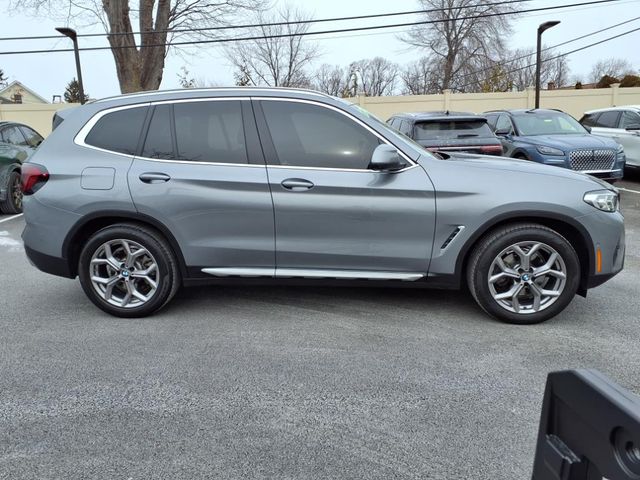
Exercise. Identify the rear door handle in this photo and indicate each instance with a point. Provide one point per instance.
(154, 177)
(297, 184)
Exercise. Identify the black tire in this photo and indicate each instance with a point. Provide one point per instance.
(12, 204)
(520, 156)
(167, 277)
(497, 242)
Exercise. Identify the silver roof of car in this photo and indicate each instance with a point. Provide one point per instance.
(622, 107)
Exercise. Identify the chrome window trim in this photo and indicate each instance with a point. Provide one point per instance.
(80, 137)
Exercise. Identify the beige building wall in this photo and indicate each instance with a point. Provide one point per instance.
(574, 102)
(17, 88)
(37, 115)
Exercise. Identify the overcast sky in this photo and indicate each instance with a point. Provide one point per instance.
(47, 74)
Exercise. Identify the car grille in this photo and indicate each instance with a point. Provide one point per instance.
(592, 160)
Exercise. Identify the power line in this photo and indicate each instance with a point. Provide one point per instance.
(506, 62)
(273, 24)
(302, 34)
(565, 54)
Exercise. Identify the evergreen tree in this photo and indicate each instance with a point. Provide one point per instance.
(72, 92)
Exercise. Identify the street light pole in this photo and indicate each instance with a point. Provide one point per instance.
(71, 33)
(541, 29)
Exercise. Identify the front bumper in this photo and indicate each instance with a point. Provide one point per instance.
(608, 237)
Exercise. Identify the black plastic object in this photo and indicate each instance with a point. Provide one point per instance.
(589, 429)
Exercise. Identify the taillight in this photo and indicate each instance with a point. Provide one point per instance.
(34, 177)
(491, 149)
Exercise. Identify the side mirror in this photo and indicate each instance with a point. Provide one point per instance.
(587, 128)
(386, 158)
(503, 132)
(634, 127)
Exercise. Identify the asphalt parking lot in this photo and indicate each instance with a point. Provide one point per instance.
(281, 382)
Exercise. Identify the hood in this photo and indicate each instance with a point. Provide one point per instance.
(571, 142)
(502, 164)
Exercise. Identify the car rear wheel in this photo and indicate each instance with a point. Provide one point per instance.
(523, 273)
(128, 270)
(13, 201)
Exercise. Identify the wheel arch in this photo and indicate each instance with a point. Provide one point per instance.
(570, 229)
(95, 221)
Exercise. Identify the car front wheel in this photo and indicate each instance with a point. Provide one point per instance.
(523, 273)
(128, 270)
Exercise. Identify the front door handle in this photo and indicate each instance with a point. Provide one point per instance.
(154, 177)
(297, 184)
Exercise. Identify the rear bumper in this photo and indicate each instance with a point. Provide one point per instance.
(48, 264)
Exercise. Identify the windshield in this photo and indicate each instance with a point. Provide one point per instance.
(450, 129)
(548, 123)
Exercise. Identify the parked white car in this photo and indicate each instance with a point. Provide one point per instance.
(620, 123)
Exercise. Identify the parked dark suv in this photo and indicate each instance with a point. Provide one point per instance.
(556, 138)
(17, 143)
(142, 193)
(448, 131)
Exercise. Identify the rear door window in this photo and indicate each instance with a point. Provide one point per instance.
(608, 119)
(118, 131)
(210, 131)
(452, 129)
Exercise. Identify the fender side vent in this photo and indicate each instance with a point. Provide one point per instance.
(453, 235)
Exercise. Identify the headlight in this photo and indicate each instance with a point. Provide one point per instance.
(549, 150)
(604, 200)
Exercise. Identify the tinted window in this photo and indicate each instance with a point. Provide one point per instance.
(452, 129)
(608, 119)
(13, 136)
(629, 118)
(491, 120)
(589, 120)
(159, 143)
(210, 132)
(33, 138)
(118, 131)
(504, 123)
(314, 136)
(547, 123)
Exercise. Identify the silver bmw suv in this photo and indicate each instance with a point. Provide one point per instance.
(140, 194)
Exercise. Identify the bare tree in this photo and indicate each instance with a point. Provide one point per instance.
(521, 69)
(140, 59)
(463, 33)
(377, 76)
(331, 79)
(279, 61)
(613, 67)
(420, 77)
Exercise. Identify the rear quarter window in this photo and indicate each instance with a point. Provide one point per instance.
(118, 131)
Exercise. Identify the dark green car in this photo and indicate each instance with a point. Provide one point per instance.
(17, 144)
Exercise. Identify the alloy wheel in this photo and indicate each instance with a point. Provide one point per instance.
(527, 277)
(124, 273)
(16, 193)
